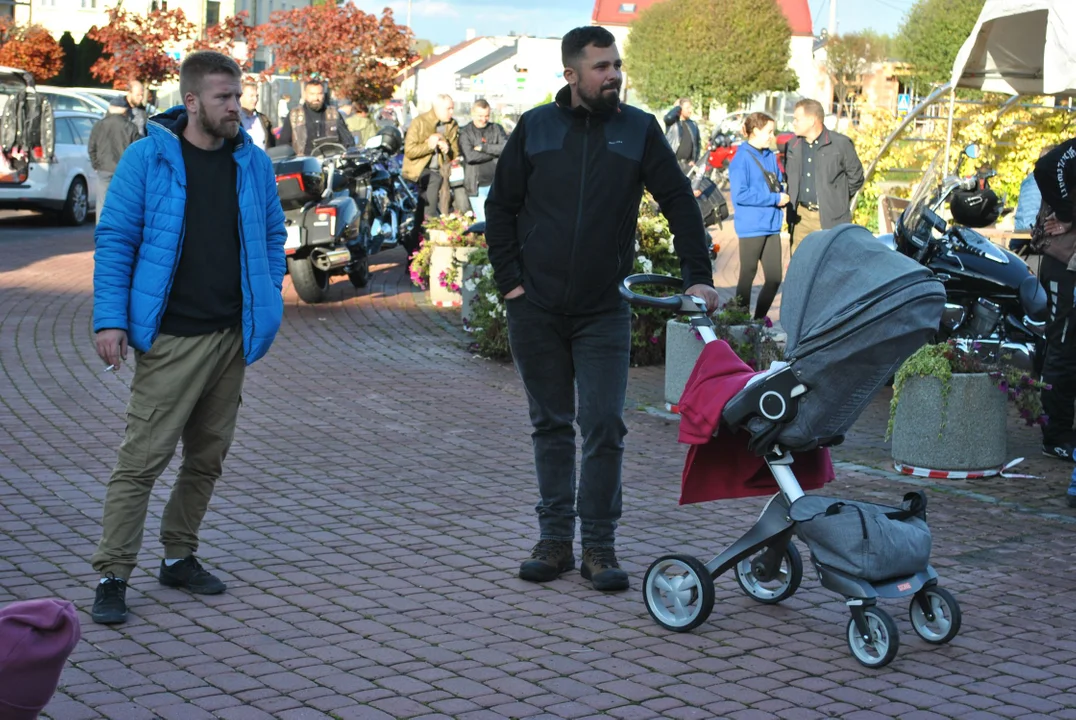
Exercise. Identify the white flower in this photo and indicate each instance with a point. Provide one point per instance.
(487, 271)
(645, 264)
(470, 285)
(493, 299)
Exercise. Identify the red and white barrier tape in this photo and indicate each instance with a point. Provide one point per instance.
(1003, 471)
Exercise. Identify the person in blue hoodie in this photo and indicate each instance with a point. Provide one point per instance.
(188, 269)
(758, 198)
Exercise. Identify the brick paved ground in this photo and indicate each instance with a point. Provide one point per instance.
(376, 506)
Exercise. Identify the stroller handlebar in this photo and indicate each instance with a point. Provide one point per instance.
(685, 304)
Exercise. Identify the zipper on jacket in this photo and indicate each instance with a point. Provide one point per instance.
(244, 261)
(578, 215)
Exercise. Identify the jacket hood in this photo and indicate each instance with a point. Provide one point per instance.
(173, 121)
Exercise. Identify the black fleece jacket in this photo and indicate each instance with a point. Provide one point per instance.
(561, 215)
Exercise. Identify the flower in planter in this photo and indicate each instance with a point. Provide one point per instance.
(943, 360)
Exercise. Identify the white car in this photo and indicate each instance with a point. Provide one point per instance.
(62, 98)
(44, 163)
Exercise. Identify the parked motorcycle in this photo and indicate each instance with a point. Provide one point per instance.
(996, 307)
(387, 200)
(341, 205)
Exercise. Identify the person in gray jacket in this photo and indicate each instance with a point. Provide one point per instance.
(108, 139)
(824, 173)
(481, 143)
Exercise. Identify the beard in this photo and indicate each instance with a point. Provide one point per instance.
(315, 106)
(226, 129)
(607, 98)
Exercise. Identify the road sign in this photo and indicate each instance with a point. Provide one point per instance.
(904, 103)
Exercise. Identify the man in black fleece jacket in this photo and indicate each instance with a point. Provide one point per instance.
(560, 224)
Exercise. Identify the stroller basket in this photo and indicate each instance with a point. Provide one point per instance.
(854, 311)
(870, 541)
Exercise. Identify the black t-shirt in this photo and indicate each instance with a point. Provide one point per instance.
(206, 293)
(685, 151)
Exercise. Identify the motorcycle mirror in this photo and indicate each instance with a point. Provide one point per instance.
(972, 151)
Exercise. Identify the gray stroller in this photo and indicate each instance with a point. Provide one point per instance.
(854, 311)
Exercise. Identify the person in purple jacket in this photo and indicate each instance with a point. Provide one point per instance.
(758, 197)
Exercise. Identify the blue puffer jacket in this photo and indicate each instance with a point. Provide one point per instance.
(757, 213)
(140, 236)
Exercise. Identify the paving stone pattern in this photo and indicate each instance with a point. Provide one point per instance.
(375, 508)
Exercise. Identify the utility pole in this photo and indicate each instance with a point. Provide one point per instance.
(832, 18)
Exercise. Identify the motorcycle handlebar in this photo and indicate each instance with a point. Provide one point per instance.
(685, 304)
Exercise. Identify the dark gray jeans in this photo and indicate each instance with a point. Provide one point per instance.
(554, 355)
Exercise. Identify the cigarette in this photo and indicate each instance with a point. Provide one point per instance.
(110, 368)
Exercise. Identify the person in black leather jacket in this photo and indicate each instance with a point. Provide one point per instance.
(560, 224)
(683, 134)
(1055, 174)
(481, 143)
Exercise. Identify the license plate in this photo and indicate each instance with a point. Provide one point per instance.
(292, 242)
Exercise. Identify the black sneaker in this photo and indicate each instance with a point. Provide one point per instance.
(110, 601)
(548, 560)
(601, 568)
(189, 573)
(1059, 452)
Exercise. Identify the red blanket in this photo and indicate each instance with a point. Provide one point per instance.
(721, 467)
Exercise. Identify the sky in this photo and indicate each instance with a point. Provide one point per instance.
(445, 22)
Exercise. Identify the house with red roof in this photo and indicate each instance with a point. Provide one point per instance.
(617, 16)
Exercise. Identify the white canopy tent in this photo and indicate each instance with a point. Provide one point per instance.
(1018, 47)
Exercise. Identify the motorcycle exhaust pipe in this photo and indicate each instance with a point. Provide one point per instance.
(326, 260)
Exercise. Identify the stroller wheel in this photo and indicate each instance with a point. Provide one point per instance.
(770, 591)
(679, 592)
(944, 621)
(884, 643)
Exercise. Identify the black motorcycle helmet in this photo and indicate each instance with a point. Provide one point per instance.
(391, 139)
(975, 208)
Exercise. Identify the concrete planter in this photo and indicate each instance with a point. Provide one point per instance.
(441, 261)
(469, 272)
(966, 431)
(682, 350)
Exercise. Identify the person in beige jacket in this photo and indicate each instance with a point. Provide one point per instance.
(431, 147)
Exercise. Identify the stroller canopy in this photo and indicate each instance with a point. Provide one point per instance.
(854, 311)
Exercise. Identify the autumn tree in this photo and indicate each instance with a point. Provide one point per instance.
(710, 50)
(135, 45)
(226, 35)
(931, 36)
(31, 48)
(848, 57)
(356, 52)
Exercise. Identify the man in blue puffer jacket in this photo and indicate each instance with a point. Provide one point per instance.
(188, 269)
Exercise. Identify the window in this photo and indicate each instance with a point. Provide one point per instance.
(64, 134)
(82, 126)
(627, 8)
(212, 13)
(89, 4)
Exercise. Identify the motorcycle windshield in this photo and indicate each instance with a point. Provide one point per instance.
(923, 192)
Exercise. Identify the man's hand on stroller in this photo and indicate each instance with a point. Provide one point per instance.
(707, 293)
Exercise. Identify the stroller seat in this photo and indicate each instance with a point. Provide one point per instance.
(768, 396)
(765, 406)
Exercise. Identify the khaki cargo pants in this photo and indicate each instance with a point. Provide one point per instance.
(185, 388)
(809, 221)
